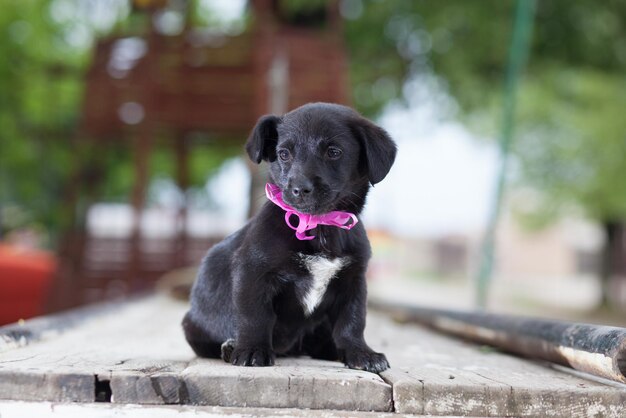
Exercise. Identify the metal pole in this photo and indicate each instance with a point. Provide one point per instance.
(518, 53)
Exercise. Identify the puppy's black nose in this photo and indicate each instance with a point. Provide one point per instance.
(301, 191)
(301, 188)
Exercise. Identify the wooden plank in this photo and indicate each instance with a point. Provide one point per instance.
(438, 392)
(146, 383)
(141, 388)
(139, 354)
(436, 375)
(56, 386)
(291, 383)
(136, 353)
(299, 383)
(128, 342)
(23, 333)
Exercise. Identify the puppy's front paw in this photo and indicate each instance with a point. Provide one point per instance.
(366, 360)
(256, 357)
(227, 349)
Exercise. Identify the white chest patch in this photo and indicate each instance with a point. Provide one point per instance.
(322, 270)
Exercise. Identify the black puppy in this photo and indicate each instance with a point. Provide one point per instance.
(265, 291)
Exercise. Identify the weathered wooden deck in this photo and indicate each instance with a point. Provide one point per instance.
(135, 353)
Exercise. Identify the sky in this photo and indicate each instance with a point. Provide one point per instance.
(441, 182)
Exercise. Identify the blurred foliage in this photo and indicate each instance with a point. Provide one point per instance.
(571, 129)
(571, 132)
(45, 49)
(572, 145)
(39, 80)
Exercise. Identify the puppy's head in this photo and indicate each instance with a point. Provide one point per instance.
(322, 156)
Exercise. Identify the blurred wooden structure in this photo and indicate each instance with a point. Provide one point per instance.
(153, 86)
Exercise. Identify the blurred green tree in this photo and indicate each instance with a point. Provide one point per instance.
(40, 83)
(571, 130)
(45, 50)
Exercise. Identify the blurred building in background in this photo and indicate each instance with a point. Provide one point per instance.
(565, 250)
(156, 87)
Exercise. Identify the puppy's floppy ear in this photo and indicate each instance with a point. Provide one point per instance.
(262, 141)
(378, 151)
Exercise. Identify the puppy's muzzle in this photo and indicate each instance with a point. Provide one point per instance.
(300, 190)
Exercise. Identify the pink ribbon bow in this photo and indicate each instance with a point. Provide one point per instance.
(307, 221)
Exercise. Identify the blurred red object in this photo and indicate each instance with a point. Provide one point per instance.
(25, 277)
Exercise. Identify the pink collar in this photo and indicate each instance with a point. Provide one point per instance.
(307, 221)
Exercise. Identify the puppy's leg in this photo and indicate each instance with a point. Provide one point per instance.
(255, 319)
(201, 343)
(348, 328)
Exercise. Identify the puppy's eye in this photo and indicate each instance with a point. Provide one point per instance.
(333, 153)
(284, 155)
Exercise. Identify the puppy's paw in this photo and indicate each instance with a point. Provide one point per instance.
(227, 349)
(366, 360)
(255, 357)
